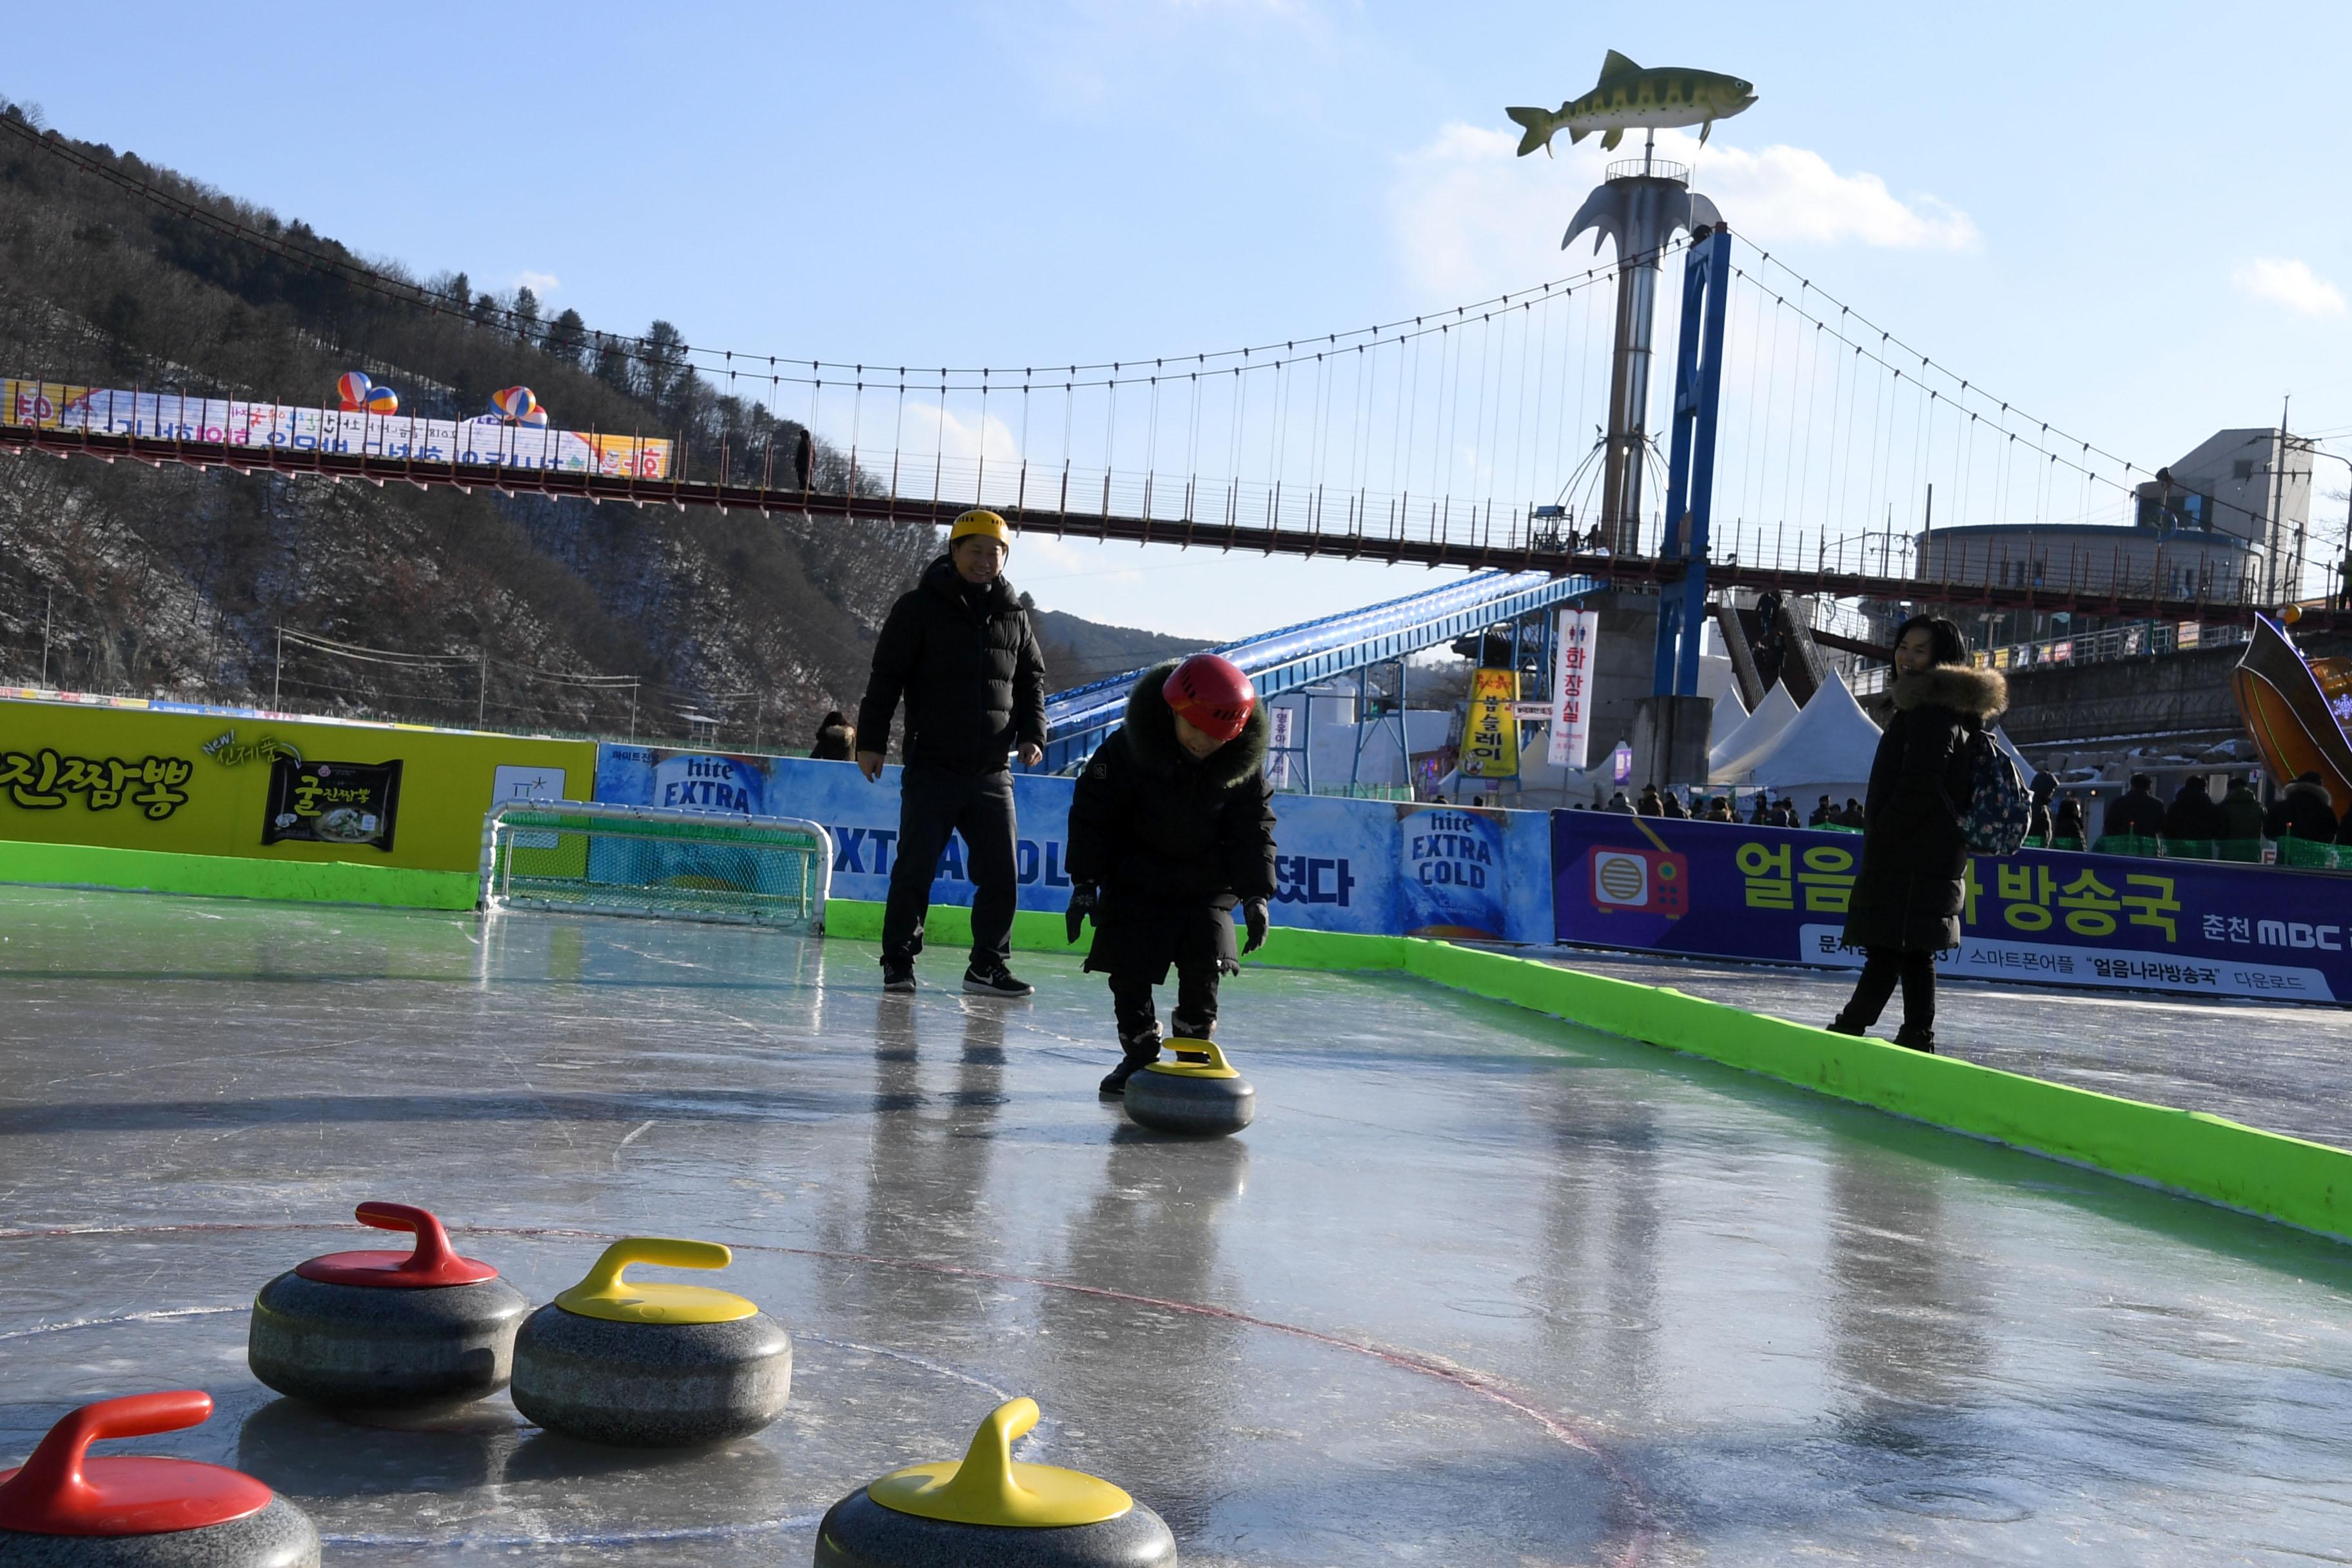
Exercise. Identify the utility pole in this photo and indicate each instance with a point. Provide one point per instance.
(277, 670)
(482, 685)
(48, 607)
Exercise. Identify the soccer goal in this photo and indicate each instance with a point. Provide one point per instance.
(644, 860)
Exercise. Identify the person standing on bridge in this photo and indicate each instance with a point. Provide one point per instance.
(1907, 896)
(960, 648)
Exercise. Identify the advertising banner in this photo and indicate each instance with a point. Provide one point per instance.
(1571, 677)
(55, 405)
(1729, 890)
(1490, 745)
(1368, 867)
(272, 789)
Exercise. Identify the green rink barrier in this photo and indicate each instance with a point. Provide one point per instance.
(2289, 1180)
(234, 877)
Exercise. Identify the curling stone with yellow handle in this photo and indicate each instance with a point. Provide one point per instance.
(387, 1331)
(643, 1364)
(1198, 1094)
(991, 1512)
(65, 1509)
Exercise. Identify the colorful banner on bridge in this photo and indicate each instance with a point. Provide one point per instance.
(1729, 890)
(1490, 747)
(217, 421)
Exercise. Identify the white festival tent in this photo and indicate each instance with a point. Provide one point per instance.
(1725, 717)
(1771, 716)
(1825, 749)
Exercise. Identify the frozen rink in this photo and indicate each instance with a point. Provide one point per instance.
(1478, 1287)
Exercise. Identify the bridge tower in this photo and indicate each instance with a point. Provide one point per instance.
(1641, 205)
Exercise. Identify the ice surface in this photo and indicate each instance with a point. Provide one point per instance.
(1478, 1286)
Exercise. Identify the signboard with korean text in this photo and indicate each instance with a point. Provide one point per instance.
(1731, 890)
(271, 787)
(1490, 744)
(1571, 687)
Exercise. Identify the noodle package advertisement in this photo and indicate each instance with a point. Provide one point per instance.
(1731, 890)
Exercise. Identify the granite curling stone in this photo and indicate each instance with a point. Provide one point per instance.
(387, 1331)
(1199, 1094)
(990, 1511)
(650, 1365)
(63, 1508)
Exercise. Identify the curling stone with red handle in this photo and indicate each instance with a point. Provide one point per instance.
(64, 1509)
(387, 1331)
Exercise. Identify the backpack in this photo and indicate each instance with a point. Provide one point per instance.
(1999, 810)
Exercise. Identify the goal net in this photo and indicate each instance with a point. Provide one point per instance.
(644, 860)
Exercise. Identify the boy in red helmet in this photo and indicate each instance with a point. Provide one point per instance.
(1171, 827)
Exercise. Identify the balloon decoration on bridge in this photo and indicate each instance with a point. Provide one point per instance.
(361, 396)
(518, 405)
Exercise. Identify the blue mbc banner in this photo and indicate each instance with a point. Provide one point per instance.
(1729, 890)
(1371, 867)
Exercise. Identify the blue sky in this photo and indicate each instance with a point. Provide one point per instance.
(2131, 218)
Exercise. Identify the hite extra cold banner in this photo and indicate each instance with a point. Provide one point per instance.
(1729, 890)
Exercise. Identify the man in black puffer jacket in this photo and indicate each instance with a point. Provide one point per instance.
(959, 647)
(1173, 826)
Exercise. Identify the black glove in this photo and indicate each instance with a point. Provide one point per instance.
(1253, 913)
(1083, 902)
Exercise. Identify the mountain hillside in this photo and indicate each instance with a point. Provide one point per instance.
(439, 605)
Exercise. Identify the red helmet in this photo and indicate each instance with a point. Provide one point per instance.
(1212, 694)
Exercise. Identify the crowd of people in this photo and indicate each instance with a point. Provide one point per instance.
(1765, 810)
(2197, 826)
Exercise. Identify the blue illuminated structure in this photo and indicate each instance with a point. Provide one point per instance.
(1690, 468)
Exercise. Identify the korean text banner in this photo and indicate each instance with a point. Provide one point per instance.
(1368, 867)
(1571, 681)
(53, 405)
(1490, 749)
(1729, 890)
(269, 789)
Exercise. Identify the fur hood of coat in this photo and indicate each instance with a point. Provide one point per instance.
(1152, 733)
(1979, 696)
(2317, 791)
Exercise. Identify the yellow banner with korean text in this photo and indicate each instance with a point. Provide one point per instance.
(196, 782)
(1490, 746)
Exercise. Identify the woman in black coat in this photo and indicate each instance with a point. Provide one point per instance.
(1905, 907)
(837, 742)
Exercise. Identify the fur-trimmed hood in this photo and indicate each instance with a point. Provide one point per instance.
(1978, 695)
(1151, 735)
(2316, 791)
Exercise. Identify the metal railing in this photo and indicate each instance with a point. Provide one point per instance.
(2141, 639)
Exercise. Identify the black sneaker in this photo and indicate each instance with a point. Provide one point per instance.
(1142, 1050)
(898, 974)
(995, 979)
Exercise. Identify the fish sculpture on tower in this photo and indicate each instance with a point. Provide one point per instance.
(1629, 97)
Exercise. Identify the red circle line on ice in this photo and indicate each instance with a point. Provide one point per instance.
(1638, 1532)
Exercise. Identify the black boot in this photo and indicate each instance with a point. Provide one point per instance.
(1142, 1050)
(1838, 1026)
(1916, 1037)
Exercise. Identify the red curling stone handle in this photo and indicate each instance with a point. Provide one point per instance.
(61, 1490)
(434, 1255)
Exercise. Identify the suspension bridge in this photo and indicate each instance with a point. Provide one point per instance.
(1807, 449)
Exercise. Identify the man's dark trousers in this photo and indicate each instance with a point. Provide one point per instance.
(932, 803)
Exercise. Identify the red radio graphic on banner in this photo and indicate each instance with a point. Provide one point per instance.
(1648, 881)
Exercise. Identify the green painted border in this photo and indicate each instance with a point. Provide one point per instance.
(2290, 1180)
(234, 877)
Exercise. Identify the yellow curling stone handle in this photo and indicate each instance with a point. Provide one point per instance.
(990, 1488)
(1208, 1061)
(608, 1294)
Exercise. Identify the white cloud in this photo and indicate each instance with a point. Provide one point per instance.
(1473, 217)
(540, 283)
(2283, 282)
